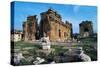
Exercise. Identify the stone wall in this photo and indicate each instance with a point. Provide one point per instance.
(52, 25)
(29, 28)
(59, 32)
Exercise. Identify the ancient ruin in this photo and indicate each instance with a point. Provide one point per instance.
(51, 25)
(30, 28)
(86, 29)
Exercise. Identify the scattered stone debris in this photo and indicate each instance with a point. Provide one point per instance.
(17, 58)
(38, 61)
(84, 57)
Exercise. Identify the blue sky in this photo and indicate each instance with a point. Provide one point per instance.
(75, 14)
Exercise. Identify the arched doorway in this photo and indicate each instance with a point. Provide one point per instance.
(86, 32)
